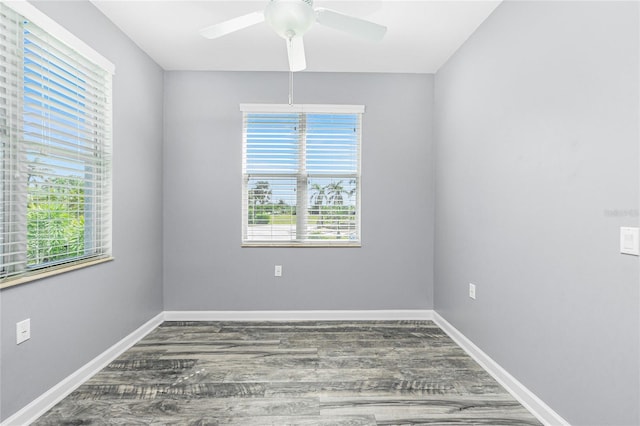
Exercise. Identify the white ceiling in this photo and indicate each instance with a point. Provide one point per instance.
(421, 35)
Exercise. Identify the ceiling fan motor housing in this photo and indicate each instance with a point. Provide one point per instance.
(290, 18)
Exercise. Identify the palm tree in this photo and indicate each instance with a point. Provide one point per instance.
(318, 197)
(335, 192)
(335, 197)
(261, 192)
(354, 188)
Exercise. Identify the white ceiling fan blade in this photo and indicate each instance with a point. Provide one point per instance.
(295, 51)
(350, 24)
(232, 25)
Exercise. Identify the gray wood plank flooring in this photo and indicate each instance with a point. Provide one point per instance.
(292, 373)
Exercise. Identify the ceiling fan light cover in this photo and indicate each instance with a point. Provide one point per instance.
(289, 18)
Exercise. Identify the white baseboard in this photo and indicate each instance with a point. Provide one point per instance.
(364, 315)
(528, 399)
(54, 395)
(47, 400)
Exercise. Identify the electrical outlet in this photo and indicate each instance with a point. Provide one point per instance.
(278, 271)
(472, 291)
(23, 331)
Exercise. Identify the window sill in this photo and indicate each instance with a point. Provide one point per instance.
(23, 279)
(289, 244)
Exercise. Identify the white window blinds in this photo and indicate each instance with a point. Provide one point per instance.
(301, 168)
(55, 150)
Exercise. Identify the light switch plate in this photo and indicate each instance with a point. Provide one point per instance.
(630, 240)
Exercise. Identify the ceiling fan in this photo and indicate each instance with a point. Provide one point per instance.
(290, 19)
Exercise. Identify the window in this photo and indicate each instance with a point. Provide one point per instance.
(55, 146)
(301, 170)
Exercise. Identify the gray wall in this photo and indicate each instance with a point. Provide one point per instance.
(536, 129)
(78, 315)
(204, 266)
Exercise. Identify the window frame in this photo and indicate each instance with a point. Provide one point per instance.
(13, 272)
(302, 176)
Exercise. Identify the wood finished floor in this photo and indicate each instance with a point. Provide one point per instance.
(293, 373)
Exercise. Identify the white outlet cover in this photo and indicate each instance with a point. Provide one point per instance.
(472, 291)
(23, 331)
(630, 240)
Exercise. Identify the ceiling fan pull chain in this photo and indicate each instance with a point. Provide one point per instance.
(290, 87)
